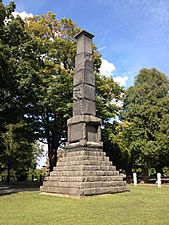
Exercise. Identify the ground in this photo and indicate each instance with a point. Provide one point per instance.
(144, 204)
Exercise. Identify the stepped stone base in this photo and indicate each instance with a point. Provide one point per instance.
(84, 171)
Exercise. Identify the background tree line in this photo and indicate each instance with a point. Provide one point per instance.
(36, 82)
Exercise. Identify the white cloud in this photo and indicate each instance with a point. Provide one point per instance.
(107, 68)
(23, 14)
(121, 80)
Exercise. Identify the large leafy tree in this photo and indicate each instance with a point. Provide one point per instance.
(55, 55)
(20, 151)
(40, 66)
(57, 50)
(109, 97)
(18, 74)
(146, 108)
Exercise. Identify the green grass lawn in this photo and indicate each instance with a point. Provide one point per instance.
(142, 205)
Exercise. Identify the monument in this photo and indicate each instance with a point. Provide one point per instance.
(85, 169)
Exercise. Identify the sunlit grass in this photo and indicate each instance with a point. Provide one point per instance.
(142, 205)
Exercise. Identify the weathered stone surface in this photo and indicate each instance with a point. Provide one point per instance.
(84, 42)
(84, 119)
(84, 76)
(84, 61)
(84, 172)
(85, 169)
(84, 151)
(84, 91)
(76, 132)
(84, 106)
(82, 131)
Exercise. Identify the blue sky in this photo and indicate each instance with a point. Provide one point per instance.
(130, 34)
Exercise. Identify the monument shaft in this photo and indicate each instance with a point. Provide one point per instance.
(84, 126)
(84, 100)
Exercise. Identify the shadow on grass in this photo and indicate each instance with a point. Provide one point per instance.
(15, 191)
(14, 188)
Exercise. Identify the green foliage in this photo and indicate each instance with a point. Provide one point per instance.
(37, 60)
(146, 108)
(18, 90)
(56, 50)
(19, 152)
(108, 105)
(108, 94)
(55, 53)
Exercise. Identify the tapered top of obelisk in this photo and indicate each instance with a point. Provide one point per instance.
(84, 42)
(84, 33)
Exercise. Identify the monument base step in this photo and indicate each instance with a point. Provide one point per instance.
(84, 172)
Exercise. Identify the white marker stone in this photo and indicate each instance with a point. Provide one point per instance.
(135, 179)
(159, 179)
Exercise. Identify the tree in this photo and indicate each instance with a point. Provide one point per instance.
(108, 97)
(57, 50)
(56, 56)
(20, 152)
(146, 108)
(17, 88)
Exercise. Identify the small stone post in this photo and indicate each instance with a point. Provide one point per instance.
(135, 179)
(159, 180)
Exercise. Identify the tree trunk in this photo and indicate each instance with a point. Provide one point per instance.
(159, 169)
(128, 174)
(50, 156)
(145, 174)
(8, 172)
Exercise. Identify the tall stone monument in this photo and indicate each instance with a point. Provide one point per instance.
(85, 169)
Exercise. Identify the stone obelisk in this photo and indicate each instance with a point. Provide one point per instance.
(84, 126)
(85, 169)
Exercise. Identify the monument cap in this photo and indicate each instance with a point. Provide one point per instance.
(83, 32)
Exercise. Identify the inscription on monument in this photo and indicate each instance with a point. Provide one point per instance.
(77, 93)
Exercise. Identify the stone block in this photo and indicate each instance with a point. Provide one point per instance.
(84, 107)
(84, 76)
(92, 133)
(84, 119)
(84, 171)
(76, 132)
(84, 44)
(87, 65)
(84, 91)
(84, 60)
